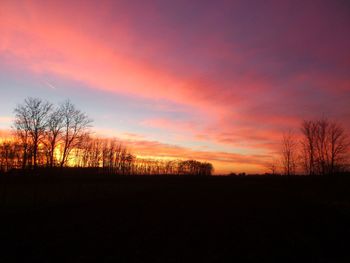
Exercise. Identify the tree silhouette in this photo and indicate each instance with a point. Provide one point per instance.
(289, 153)
(309, 130)
(47, 136)
(31, 120)
(338, 144)
(325, 147)
(53, 134)
(75, 127)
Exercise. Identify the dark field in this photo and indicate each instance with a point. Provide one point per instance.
(174, 219)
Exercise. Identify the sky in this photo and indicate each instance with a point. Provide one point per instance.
(217, 81)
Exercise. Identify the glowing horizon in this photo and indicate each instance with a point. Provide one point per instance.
(217, 81)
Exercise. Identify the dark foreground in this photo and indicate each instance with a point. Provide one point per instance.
(159, 219)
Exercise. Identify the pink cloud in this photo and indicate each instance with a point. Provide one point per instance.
(171, 124)
(59, 47)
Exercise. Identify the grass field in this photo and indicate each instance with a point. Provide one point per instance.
(174, 219)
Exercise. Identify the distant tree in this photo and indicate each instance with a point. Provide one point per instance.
(206, 169)
(75, 128)
(272, 167)
(193, 167)
(31, 120)
(7, 155)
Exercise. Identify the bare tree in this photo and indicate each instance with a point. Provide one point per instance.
(321, 143)
(272, 167)
(5, 155)
(325, 146)
(53, 134)
(338, 145)
(31, 122)
(195, 168)
(75, 127)
(289, 153)
(22, 134)
(309, 130)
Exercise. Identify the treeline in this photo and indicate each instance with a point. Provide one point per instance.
(321, 148)
(45, 135)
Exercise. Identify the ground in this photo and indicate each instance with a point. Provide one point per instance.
(174, 219)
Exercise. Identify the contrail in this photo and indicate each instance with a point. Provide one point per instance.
(50, 85)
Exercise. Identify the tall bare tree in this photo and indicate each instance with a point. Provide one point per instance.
(309, 130)
(54, 134)
(75, 127)
(22, 135)
(325, 145)
(339, 144)
(31, 121)
(289, 153)
(321, 146)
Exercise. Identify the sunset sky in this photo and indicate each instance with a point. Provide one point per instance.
(218, 81)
